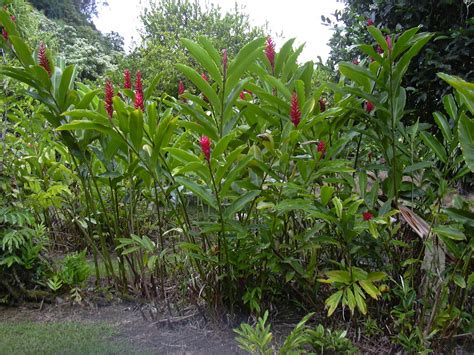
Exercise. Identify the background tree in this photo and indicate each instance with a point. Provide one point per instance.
(451, 50)
(165, 22)
(72, 11)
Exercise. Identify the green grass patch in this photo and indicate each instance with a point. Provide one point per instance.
(60, 338)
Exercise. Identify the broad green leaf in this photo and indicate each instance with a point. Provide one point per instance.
(338, 206)
(22, 51)
(202, 85)
(136, 129)
(333, 301)
(326, 194)
(466, 138)
(370, 288)
(182, 155)
(451, 233)
(198, 190)
(204, 59)
(443, 125)
(435, 146)
(240, 203)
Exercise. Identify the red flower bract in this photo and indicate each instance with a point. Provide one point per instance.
(43, 58)
(109, 94)
(322, 105)
(369, 106)
(5, 34)
(180, 88)
(370, 22)
(139, 101)
(367, 216)
(127, 80)
(321, 147)
(270, 52)
(138, 84)
(206, 146)
(204, 77)
(388, 39)
(295, 113)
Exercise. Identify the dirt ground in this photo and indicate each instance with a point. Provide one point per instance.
(192, 336)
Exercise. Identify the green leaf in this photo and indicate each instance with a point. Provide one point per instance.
(450, 106)
(182, 155)
(342, 276)
(435, 146)
(22, 51)
(443, 125)
(67, 82)
(84, 124)
(459, 280)
(199, 191)
(326, 194)
(466, 138)
(333, 301)
(204, 59)
(451, 233)
(240, 203)
(136, 129)
(338, 206)
(202, 85)
(370, 288)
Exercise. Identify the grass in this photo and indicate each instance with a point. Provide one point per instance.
(60, 338)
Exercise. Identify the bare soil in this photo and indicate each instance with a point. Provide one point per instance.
(192, 336)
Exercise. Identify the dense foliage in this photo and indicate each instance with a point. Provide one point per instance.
(166, 22)
(451, 50)
(252, 187)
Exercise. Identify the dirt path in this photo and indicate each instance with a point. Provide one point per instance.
(190, 337)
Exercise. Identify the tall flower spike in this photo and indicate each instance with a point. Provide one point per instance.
(224, 61)
(43, 58)
(270, 52)
(180, 88)
(109, 94)
(139, 101)
(127, 79)
(295, 113)
(206, 146)
(138, 83)
(388, 39)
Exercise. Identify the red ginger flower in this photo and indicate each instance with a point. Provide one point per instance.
(295, 113)
(355, 61)
(138, 83)
(204, 77)
(139, 101)
(321, 147)
(379, 49)
(369, 106)
(367, 216)
(43, 58)
(180, 88)
(370, 22)
(388, 39)
(109, 94)
(322, 105)
(270, 52)
(242, 95)
(206, 146)
(4, 34)
(127, 80)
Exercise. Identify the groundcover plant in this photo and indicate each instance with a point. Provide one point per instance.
(253, 189)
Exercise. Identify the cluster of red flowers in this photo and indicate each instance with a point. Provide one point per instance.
(270, 52)
(206, 147)
(43, 58)
(109, 94)
(369, 106)
(367, 216)
(139, 92)
(295, 113)
(4, 31)
(127, 80)
(180, 88)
